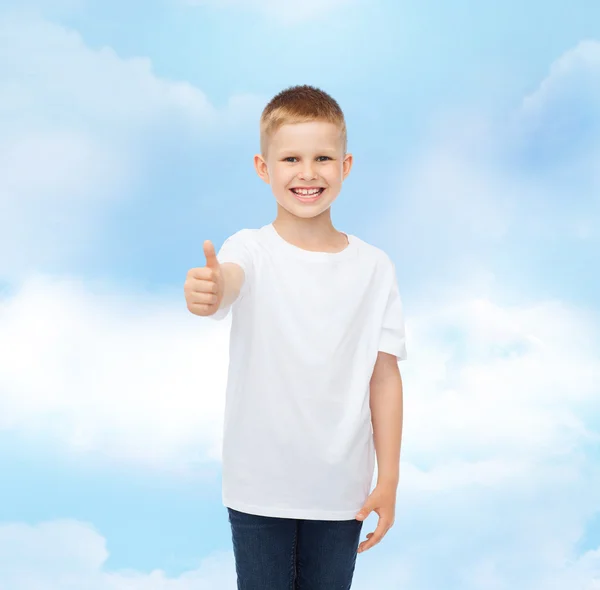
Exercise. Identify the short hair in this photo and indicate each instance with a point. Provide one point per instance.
(300, 104)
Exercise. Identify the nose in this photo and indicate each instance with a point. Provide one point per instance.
(308, 172)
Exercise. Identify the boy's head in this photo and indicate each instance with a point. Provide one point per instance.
(300, 104)
(303, 146)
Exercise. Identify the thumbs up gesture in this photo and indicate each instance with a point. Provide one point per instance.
(204, 286)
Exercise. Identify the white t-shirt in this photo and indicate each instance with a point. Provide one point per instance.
(305, 333)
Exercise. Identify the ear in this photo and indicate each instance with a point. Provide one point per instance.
(260, 165)
(347, 165)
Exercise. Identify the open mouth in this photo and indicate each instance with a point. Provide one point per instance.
(307, 194)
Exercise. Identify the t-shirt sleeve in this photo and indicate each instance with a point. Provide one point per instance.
(236, 249)
(393, 336)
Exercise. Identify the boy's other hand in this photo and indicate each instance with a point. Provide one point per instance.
(382, 501)
(204, 286)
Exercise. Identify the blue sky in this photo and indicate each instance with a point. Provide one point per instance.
(127, 139)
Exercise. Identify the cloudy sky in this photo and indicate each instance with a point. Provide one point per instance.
(127, 132)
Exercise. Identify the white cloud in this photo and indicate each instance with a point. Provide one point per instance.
(558, 128)
(497, 481)
(500, 466)
(484, 191)
(515, 379)
(287, 13)
(50, 68)
(70, 555)
(135, 378)
(142, 378)
(573, 80)
(76, 125)
(499, 411)
(500, 417)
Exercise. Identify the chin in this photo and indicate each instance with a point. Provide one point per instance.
(304, 212)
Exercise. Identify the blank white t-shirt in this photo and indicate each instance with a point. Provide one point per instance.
(305, 333)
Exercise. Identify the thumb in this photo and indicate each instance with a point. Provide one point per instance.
(364, 512)
(211, 257)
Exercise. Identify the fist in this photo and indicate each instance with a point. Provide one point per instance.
(204, 286)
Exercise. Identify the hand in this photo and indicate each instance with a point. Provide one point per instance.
(383, 501)
(204, 286)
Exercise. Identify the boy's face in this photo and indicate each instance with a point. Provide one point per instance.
(305, 156)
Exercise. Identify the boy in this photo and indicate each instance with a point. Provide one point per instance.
(316, 335)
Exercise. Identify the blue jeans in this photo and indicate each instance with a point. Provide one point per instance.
(293, 554)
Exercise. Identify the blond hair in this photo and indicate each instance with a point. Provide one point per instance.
(300, 104)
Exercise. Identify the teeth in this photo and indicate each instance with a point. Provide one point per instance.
(306, 192)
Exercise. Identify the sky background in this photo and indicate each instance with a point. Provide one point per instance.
(127, 132)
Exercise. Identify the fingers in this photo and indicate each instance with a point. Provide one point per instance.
(383, 526)
(202, 280)
(196, 298)
(200, 286)
(211, 257)
(204, 273)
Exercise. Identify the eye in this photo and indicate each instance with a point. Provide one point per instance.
(289, 159)
(323, 158)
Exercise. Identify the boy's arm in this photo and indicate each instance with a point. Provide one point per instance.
(386, 416)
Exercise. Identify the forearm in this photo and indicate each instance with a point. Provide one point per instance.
(233, 278)
(386, 402)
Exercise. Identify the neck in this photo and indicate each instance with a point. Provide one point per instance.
(315, 233)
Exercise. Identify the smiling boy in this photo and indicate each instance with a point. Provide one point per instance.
(314, 392)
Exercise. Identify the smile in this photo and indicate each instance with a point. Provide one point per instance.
(307, 195)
